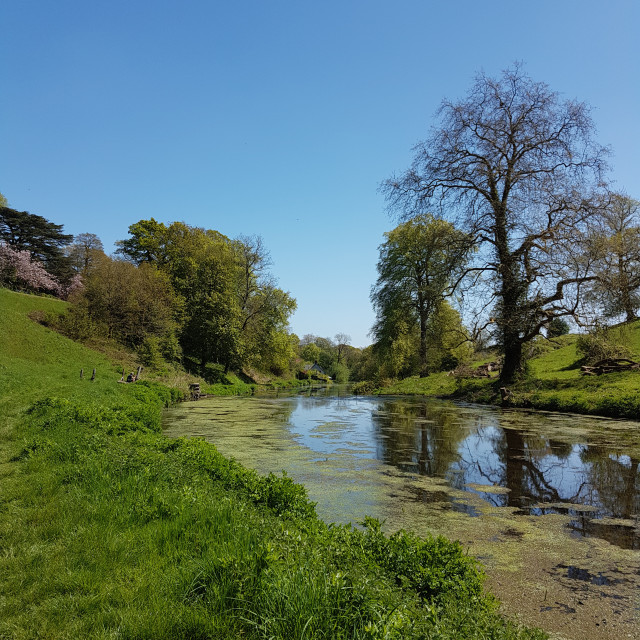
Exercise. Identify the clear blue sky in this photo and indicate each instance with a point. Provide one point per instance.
(278, 117)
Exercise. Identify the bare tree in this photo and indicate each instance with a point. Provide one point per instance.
(342, 341)
(516, 167)
(83, 252)
(614, 248)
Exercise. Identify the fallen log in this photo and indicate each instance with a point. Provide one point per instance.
(609, 365)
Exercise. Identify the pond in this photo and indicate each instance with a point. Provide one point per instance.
(549, 503)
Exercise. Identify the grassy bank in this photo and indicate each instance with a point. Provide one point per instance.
(110, 530)
(553, 382)
(234, 386)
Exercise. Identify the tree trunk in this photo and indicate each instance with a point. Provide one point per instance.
(511, 318)
(512, 358)
(511, 295)
(423, 344)
(630, 312)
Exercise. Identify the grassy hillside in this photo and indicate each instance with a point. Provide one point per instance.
(553, 381)
(31, 357)
(110, 530)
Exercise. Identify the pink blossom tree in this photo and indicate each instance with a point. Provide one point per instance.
(18, 269)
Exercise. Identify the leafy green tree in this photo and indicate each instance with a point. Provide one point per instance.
(351, 357)
(278, 355)
(517, 167)
(339, 373)
(146, 244)
(336, 356)
(264, 329)
(310, 352)
(204, 271)
(265, 309)
(327, 353)
(127, 303)
(557, 327)
(397, 351)
(396, 347)
(367, 365)
(448, 338)
(201, 268)
(317, 349)
(416, 270)
(233, 313)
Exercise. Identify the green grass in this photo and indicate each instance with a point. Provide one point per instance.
(34, 359)
(234, 386)
(110, 530)
(437, 384)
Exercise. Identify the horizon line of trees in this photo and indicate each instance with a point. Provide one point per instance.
(173, 293)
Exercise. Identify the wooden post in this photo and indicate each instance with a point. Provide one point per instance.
(81, 374)
(93, 375)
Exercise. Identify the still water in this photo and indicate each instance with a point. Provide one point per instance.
(548, 502)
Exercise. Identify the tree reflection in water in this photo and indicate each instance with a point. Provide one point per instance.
(544, 465)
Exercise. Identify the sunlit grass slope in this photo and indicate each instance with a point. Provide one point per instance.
(437, 384)
(110, 530)
(35, 361)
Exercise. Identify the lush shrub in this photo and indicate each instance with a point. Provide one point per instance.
(557, 327)
(601, 344)
(78, 324)
(340, 373)
(435, 568)
(235, 388)
(150, 353)
(366, 387)
(215, 374)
